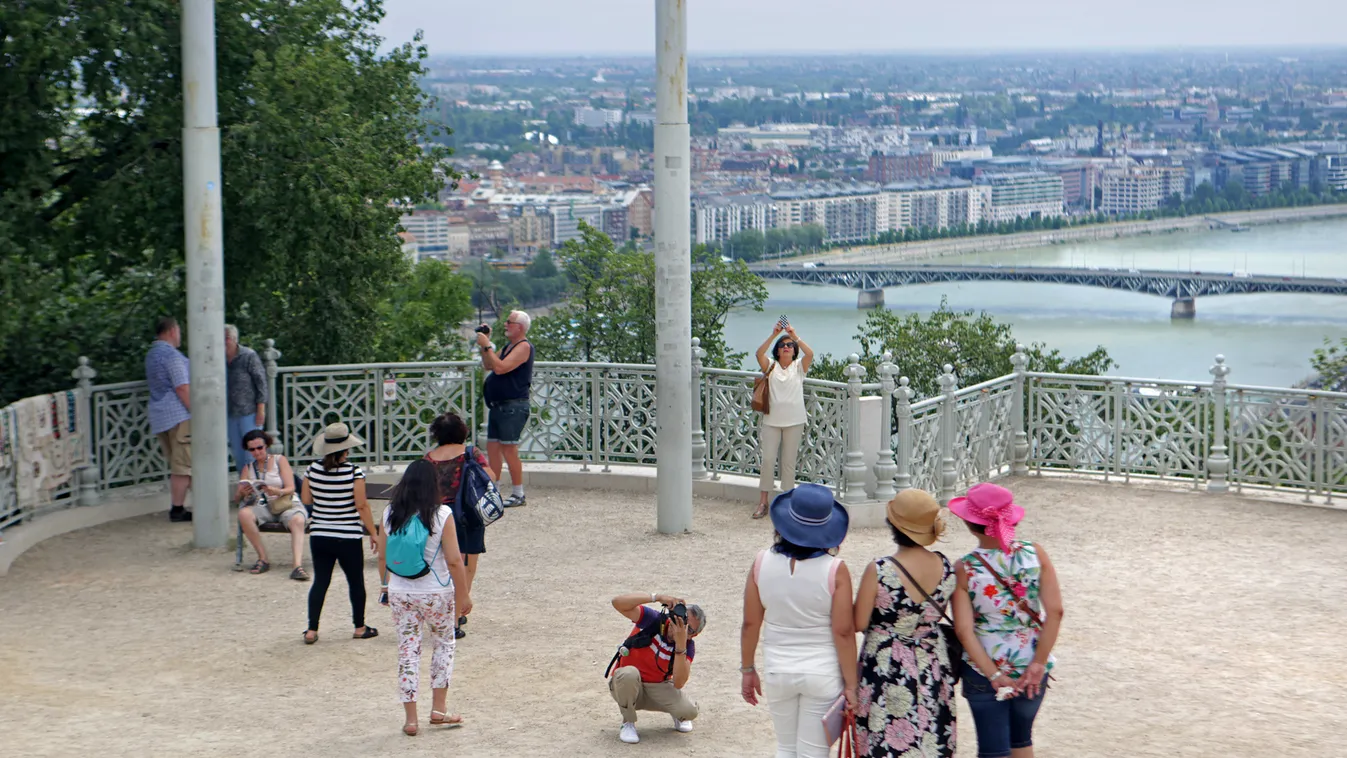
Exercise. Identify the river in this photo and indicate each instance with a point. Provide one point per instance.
(1267, 339)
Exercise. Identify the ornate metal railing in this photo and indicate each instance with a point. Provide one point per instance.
(1201, 434)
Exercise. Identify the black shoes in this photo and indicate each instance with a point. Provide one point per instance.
(178, 513)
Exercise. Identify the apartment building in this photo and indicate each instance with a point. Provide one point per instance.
(716, 218)
(846, 213)
(1023, 194)
(932, 203)
(1131, 190)
(597, 118)
(886, 168)
(435, 235)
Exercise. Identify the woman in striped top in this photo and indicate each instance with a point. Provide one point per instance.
(335, 488)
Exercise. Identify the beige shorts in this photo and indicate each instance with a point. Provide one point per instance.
(177, 445)
(262, 513)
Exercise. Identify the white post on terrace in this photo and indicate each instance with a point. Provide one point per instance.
(204, 222)
(673, 271)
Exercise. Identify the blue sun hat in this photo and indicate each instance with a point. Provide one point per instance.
(808, 516)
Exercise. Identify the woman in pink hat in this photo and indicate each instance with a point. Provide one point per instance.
(1007, 612)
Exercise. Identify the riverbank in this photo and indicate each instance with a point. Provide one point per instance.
(995, 242)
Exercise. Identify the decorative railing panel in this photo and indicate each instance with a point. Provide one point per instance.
(413, 398)
(313, 397)
(1118, 427)
(626, 411)
(1288, 440)
(825, 434)
(730, 423)
(926, 453)
(125, 450)
(984, 431)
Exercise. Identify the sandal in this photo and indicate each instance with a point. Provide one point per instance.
(447, 721)
(410, 729)
(299, 574)
(761, 511)
(261, 567)
(308, 641)
(369, 632)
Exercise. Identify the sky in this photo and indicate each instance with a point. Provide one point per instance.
(606, 27)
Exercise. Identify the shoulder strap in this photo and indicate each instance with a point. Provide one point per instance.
(1019, 601)
(944, 612)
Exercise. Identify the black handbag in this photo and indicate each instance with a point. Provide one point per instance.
(952, 644)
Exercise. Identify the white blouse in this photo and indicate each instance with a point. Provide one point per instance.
(786, 385)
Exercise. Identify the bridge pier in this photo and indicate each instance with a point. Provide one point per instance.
(870, 299)
(1183, 307)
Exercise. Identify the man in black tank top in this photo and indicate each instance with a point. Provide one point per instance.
(508, 380)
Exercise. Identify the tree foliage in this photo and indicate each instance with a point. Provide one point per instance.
(609, 312)
(1330, 363)
(975, 344)
(319, 135)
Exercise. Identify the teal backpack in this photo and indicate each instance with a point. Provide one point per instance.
(406, 550)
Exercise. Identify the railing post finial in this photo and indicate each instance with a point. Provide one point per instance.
(1218, 461)
(1019, 447)
(948, 423)
(84, 375)
(903, 410)
(885, 470)
(853, 470)
(698, 435)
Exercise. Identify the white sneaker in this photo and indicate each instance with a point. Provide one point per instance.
(628, 733)
(682, 726)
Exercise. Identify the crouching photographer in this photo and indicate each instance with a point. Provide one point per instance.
(652, 665)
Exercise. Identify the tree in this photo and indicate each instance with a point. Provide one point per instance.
(423, 315)
(975, 344)
(609, 312)
(320, 143)
(1330, 363)
(746, 245)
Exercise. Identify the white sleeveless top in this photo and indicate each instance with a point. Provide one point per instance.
(797, 633)
(787, 391)
(271, 477)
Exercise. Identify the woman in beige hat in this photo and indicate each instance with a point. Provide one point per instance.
(335, 488)
(906, 696)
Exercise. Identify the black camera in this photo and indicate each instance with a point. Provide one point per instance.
(679, 611)
(483, 329)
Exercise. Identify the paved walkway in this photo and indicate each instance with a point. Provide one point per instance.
(1195, 626)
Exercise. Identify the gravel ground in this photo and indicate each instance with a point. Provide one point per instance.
(1195, 626)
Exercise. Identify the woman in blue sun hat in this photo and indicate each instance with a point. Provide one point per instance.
(798, 595)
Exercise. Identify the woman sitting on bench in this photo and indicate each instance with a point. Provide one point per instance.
(266, 494)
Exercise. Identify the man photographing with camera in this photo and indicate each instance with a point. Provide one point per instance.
(506, 392)
(652, 665)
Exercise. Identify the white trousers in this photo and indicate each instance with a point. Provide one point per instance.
(786, 441)
(798, 703)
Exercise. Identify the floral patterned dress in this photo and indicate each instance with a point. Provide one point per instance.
(906, 707)
(1007, 633)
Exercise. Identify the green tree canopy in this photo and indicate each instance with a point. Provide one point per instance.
(609, 311)
(975, 344)
(321, 138)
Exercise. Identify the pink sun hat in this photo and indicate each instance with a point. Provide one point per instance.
(991, 506)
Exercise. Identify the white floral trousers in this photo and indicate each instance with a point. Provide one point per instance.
(436, 613)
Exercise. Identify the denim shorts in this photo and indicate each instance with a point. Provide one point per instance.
(505, 421)
(1002, 725)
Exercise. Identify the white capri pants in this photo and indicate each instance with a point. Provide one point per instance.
(798, 703)
(786, 441)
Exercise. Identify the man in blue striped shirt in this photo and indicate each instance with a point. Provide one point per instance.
(170, 411)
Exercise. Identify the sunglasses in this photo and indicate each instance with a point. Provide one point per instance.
(255, 448)
(790, 345)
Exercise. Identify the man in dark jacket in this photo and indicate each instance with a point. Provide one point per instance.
(246, 383)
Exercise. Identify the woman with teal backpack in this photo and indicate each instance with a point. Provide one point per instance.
(427, 585)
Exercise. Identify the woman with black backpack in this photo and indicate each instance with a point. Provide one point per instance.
(451, 434)
(427, 585)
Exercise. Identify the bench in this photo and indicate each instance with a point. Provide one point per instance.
(372, 492)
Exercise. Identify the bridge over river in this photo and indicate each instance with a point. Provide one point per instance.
(1183, 287)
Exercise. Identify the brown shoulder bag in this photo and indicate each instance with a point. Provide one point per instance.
(762, 393)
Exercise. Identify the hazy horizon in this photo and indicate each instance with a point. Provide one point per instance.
(612, 28)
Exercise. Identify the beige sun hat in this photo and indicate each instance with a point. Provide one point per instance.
(335, 437)
(916, 513)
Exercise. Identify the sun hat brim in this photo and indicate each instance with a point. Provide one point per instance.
(959, 506)
(825, 536)
(322, 447)
(921, 535)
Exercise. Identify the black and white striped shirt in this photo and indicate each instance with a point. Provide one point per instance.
(334, 513)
